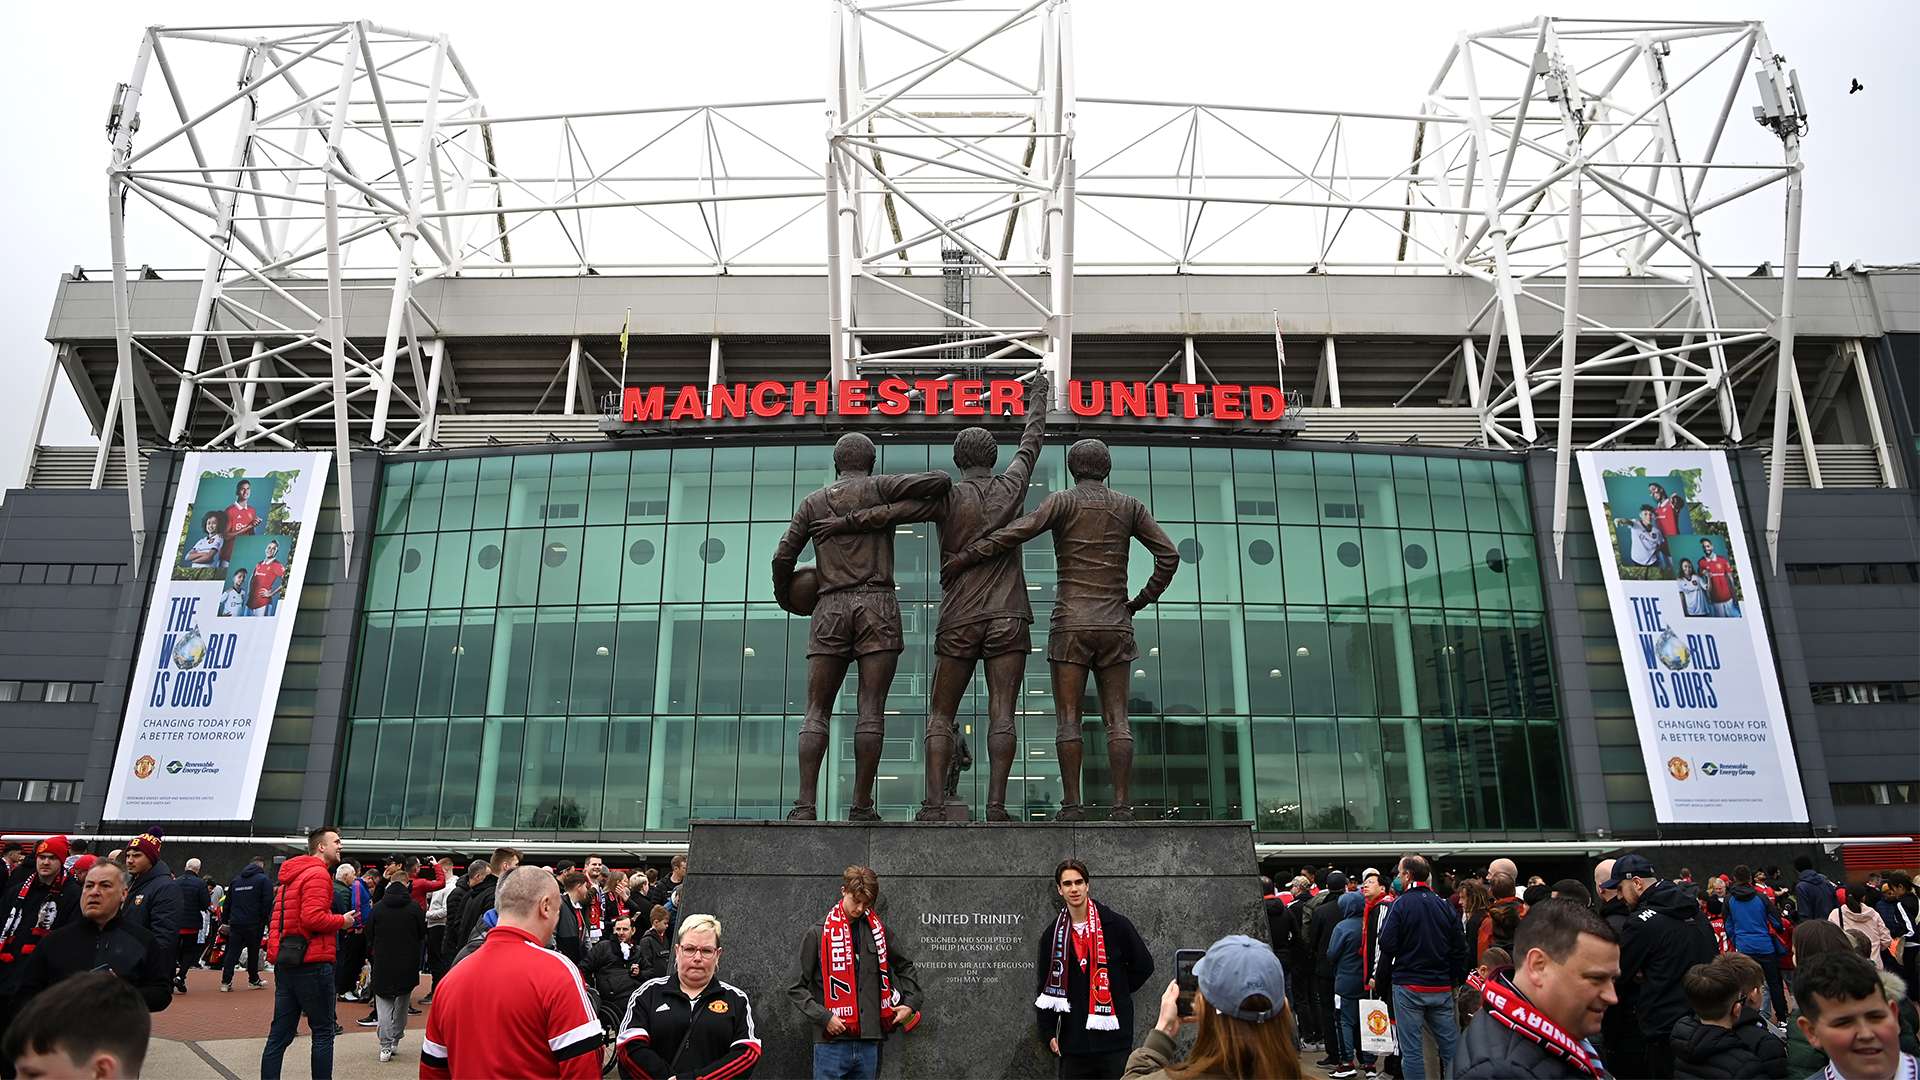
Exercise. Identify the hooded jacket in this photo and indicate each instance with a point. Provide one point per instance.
(1867, 921)
(1666, 934)
(155, 905)
(1815, 895)
(249, 898)
(1748, 922)
(395, 936)
(304, 905)
(1343, 951)
(1747, 1051)
(610, 969)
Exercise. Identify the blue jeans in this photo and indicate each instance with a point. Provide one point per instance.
(1349, 1028)
(846, 1059)
(1433, 1011)
(297, 989)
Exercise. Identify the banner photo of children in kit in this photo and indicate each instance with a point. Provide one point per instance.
(214, 643)
(227, 508)
(1700, 671)
(1664, 530)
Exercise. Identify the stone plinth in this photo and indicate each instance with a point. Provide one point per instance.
(967, 902)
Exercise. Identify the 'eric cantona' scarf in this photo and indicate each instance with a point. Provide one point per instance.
(1053, 996)
(837, 970)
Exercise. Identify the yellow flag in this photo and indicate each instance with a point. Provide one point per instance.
(624, 324)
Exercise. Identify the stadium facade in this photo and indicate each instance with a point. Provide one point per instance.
(529, 615)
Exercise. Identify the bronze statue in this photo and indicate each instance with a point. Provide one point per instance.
(856, 618)
(984, 611)
(1092, 625)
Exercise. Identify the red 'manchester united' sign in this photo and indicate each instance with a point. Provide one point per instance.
(947, 397)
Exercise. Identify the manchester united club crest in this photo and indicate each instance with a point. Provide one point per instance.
(143, 768)
(1678, 768)
(717, 1006)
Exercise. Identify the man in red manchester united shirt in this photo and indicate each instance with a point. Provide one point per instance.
(514, 1007)
(1722, 581)
(242, 519)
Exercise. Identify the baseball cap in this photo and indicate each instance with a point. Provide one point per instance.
(1236, 968)
(1337, 881)
(1627, 866)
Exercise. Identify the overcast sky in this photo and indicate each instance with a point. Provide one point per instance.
(59, 65)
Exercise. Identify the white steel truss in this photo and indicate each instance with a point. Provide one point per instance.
(1548, 160)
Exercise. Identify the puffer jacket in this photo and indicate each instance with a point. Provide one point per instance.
(1489, 1050)
(304, 905)
(1867, 921)
(1747, 1051)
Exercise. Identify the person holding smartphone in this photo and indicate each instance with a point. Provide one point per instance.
(1090, 963)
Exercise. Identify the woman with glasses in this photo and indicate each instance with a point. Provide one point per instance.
(689, 1023)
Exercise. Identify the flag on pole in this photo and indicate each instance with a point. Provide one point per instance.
(625, 325)
(1280, 348)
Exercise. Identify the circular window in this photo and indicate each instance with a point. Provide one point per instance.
(410, 561)
(488, 557)
(1497, 560)
(641, 553)
(1260, 552)
(1348, 553)
(555, 554)
(712, 550)
(1190, 550)
(1416, 556)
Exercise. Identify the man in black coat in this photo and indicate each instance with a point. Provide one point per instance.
(1666, 933)
(1322, 915)
(480, 897)
(614, 966)
(249, 900)
(38, 898)
(1622, 1046)
(395, 935)
(570, 937)
(154, 903)
(100, 938)
(195, 899)
(1083, 1050)
(1299, 962)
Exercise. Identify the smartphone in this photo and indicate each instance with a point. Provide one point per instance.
(1183, 962)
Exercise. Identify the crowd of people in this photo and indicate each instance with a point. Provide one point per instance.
(1638, 975)
(1405, 972)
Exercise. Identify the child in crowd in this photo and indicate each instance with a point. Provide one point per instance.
(1726, 1036)
(1466, 999)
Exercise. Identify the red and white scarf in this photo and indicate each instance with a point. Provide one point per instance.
(1507, 1007)
(838, 979)
(1907, 1069)
(42, 918)
(1053, 996)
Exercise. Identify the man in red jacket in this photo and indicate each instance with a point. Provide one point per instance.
(303, 908)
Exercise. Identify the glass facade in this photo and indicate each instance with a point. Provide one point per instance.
(585, 644)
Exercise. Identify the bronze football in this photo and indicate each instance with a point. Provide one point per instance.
(805, 591)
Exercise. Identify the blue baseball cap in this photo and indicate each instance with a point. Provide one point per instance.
(1627, 866)
(1236, 968)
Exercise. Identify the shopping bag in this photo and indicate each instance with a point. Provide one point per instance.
(1376, 1028)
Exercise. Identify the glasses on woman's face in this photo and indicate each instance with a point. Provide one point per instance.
(699, 951)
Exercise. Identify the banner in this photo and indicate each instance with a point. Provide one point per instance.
(215, 643)
(1706, 699)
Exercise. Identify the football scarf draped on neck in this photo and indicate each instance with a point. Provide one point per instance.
(1506, 1007)
(838, 970)
(1100, 1014)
